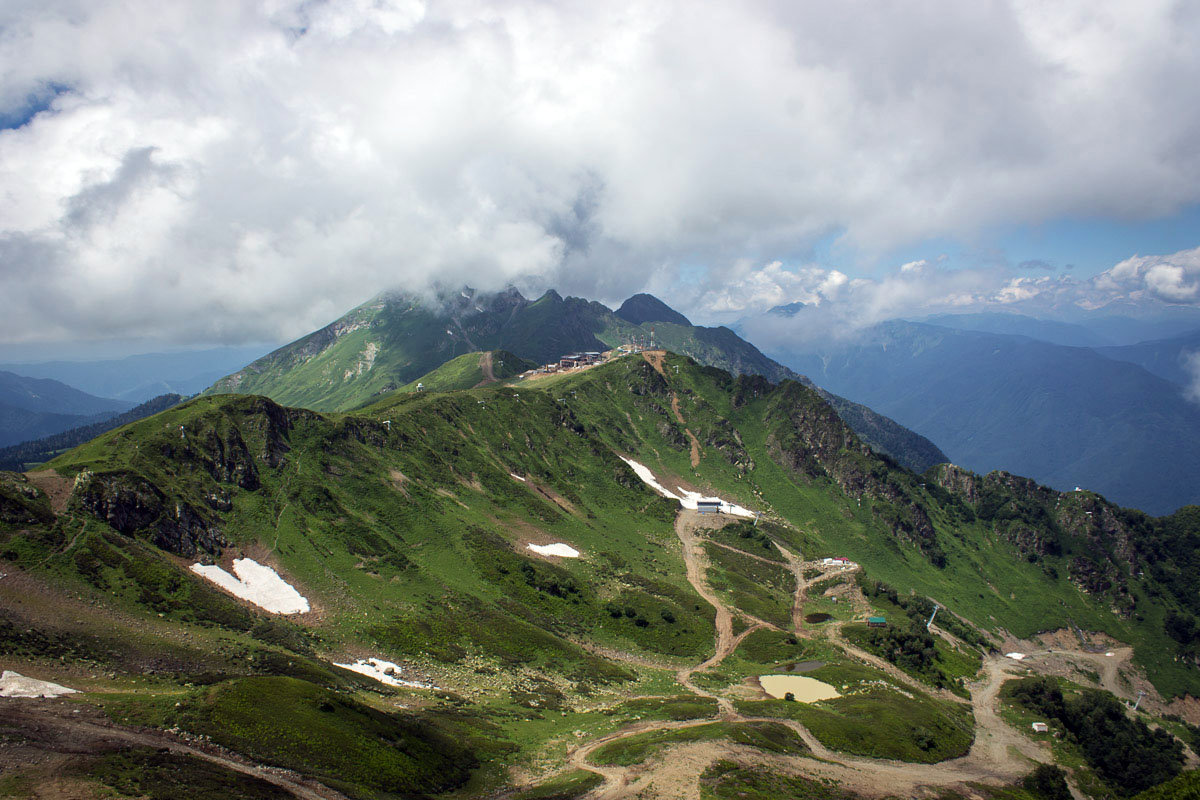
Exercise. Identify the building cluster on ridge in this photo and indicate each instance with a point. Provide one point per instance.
(573, 361)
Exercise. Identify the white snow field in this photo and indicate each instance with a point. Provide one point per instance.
(557, 549)
(14, 684)
(686, 499)
(385, 672)
(256, 583)
(1016, 656)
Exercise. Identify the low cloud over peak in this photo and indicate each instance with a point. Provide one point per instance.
(246, 171)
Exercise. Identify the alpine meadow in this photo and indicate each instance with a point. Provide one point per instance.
(523, 400)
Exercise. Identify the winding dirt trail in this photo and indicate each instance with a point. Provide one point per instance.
(655, 359)
(796, 565)
(686, 524)
(834, 629)
(485, 366)
(998, 754)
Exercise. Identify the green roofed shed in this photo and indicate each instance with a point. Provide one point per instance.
(876, 622)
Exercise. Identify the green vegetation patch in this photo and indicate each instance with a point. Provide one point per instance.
(918, 652)
(880, 724)
(1183, 787)
(1125, 752)
(1047, 782)
(768, 647)
(674, 708)
(567, 786)
(751, 538)
(296, 725)
(728, 780)
(155, 775)
(769, 736)
(762, 589)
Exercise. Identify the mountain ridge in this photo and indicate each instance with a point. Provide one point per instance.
(395, 338)
(407, 525)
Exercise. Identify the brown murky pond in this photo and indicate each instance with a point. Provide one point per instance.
(804, 690)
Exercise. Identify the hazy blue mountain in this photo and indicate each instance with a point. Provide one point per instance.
(21, 424)
(140, 377)
(1166, 358)
(1130, 324)
(1048, 330)
(34, 407)
(31, 451)
(53, 397)
(1066, 416)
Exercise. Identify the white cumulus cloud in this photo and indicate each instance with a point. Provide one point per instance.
(223, 171)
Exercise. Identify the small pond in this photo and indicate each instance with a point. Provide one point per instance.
(804, 690)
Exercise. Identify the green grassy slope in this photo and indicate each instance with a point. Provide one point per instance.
(391, 341)
(409, 540)
(466, 372)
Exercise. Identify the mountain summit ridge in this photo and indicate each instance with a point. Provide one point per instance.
(395, 338)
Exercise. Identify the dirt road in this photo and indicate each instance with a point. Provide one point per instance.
(485, 366)
(999, 754)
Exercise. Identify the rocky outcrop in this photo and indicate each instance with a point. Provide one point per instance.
(957, 481)
(22, 503)
(133, 506)
(806, 436)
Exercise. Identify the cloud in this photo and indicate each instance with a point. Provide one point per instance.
(835, 305)
(1170, 279)
(1191, 363)
(250, 170)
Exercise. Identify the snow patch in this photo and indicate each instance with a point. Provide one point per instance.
(385, 672)
(690, 500)
(557, 549)
(256, 583)
(648, 478)
(14, 684)
(1016, 656)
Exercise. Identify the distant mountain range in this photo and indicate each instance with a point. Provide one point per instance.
(1109, 419)
(26, 454)
(393, 340)
(141, 377)
(34, 407)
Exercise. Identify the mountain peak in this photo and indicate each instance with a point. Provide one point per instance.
(789, 310)
(648, 308)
